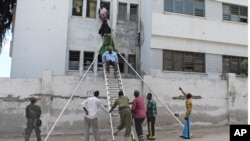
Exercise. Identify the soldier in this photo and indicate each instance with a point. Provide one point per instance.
(125, 115)
(33, 113)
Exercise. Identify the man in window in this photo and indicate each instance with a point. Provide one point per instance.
(110, 58)
(103, 12)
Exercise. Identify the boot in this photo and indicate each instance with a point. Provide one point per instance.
(126, 138)
(116, 132)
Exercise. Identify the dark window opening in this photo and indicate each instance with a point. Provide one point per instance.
(74, 60)
(77, 7)
(133, 12)
(99, 63)
(88, 58)
(121, 62)
(132, 62)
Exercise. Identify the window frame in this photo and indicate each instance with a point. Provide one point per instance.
(229, 64)
(89, 11)
(186, 7)
(74, 8)
(75, 59)
(87, 57)
(232, 12)
(183, 61)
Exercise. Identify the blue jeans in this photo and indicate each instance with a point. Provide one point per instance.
(186, 130)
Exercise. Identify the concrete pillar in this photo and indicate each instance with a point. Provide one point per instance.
(230, 94)
(46, 87)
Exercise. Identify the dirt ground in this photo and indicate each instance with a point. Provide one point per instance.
(201, 134)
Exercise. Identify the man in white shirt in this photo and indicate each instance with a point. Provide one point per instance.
(91, 107)
(110, 58)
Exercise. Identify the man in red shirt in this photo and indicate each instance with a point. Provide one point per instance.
(139, 113)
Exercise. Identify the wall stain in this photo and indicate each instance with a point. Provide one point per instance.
(181, 97)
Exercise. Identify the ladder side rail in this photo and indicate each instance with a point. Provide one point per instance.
(66, 105)
(109, 103)
(153, 91)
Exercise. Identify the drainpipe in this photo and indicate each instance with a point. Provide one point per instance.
(114, 17)
(139, 37)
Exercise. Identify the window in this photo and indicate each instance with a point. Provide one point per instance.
(132, 62)
(188, 7)
(77, 7)
(133, 12)
(87, 60)
(100, 64)
(107, 6)
(235, 13)
(183, 61)
(74, 59)
(121, 62)
(122, 12)
(91, 8)
(238, 65)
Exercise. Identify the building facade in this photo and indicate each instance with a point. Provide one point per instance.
(201, 39)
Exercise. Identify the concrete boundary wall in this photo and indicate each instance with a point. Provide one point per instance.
(215, 102)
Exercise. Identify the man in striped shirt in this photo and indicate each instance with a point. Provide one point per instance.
(151, 116)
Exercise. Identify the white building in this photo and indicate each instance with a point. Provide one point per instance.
(178, 38)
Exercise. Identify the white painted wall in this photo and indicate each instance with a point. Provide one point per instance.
(215, 102)
(40, 37)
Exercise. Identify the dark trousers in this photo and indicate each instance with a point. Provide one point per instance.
(114, 64)
(151, 126)
(138, 126)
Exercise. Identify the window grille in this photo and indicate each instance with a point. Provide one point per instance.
(122, 12)
(74, 58)
(188, 7)
(133, 12)
(183, 61)
(235, 13)
(232, 64)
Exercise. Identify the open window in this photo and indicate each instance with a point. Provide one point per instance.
(74, 60)
(107, 6)
(133, 12)
(121, 62)
(132, 62)
(88, 58)
(99, 63)
(77, 7)
(91, 8)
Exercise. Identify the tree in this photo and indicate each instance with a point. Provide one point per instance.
(6, 14)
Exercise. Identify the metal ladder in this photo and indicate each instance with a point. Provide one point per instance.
(113, 86)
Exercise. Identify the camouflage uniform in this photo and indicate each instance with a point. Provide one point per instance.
(33, 112)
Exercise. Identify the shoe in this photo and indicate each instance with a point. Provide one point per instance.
(141, 138)
(116, 132)
(151, 137)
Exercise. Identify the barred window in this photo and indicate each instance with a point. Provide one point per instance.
(132, 62)
(74, 60)
(183, 61)
(88, 58)
(133, 12)
(235, 13)
(232, 64)
(77, 7)
(91, 8)
(188, 7)
(122, 12)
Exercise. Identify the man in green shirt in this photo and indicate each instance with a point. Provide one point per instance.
(125, 114)
(33, 113)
